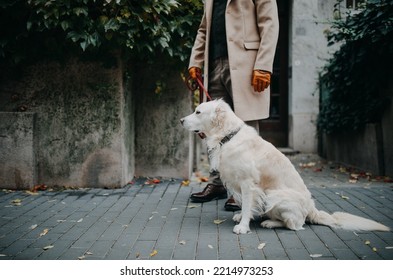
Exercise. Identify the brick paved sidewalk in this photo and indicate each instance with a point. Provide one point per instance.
(157, 221)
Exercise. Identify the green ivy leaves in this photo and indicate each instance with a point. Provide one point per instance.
(359, 69)
(135, 27)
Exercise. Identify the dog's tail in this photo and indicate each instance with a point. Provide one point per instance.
(345, 221)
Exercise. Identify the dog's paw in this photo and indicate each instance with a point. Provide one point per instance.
(237, 217)
(239, 229)
(272, 224)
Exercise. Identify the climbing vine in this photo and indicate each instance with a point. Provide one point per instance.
(139, 28)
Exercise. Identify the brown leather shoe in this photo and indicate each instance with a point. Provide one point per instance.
(209, 193)
(231, 205)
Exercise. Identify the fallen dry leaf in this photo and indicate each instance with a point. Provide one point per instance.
(152, 181)
(261, 246)
(17, 202)
(218, 221)
(48, 247)
(307, 165)
(44, 232)
(182, 242)
(210, 246)
(137, 255)
(344, 197)
(204, 179)
(200, 177)
(7, 191)
(375, 249)
(84, 255)
(185, 183)
(388, 180)
(152, 254)
(367, 242)
(389, 248)
(342, 170)
(316, 255)
(80, 220)
(191, 206)
(37, 188)
(31, 193)
(33, 226)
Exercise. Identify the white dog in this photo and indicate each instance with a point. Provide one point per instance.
(262, 179)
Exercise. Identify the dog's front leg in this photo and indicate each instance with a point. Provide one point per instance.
(246, 215)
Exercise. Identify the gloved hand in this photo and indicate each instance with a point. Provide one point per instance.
(195, 72)
(260, 80)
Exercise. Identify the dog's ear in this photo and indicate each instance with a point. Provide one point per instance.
(219, 113)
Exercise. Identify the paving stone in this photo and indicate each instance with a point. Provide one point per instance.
(141, 250)
(100, 249)
(60, 247)
(207, 247)
(29, 253)
(298, 254)
(73, 254)
(132, 222)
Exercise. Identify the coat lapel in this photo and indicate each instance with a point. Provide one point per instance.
(209, 10)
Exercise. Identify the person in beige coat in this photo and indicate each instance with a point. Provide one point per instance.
(235, 46)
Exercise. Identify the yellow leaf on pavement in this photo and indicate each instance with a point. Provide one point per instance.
(44, 232)
(17, 202)
(218, 221)
(185, 183)
(152, 254)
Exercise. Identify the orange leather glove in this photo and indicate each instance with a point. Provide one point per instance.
(195, 72)
(260, 80)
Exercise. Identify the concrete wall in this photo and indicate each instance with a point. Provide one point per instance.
(82, 131)
(361, 149)
(387, 130)
(17, 158)
(369, 149)
(162, 145)
(307, 55)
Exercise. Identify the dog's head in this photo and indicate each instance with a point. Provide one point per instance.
(208, 118)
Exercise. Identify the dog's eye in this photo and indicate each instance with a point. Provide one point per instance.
(197, 112)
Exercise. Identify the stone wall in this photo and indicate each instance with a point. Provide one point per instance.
(369, 149)
(361, 149)
(308, 52)
(162, 145)
(17, 158)
(82, 133)
(387, 130)
(85, 125)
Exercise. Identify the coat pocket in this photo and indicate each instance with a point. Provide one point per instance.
(251, 45)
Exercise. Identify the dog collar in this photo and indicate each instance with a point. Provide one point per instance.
(229, 136)
(223, 141)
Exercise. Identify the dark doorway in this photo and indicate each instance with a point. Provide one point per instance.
(275, 128)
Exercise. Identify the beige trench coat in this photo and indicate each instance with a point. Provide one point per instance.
(252, 34)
